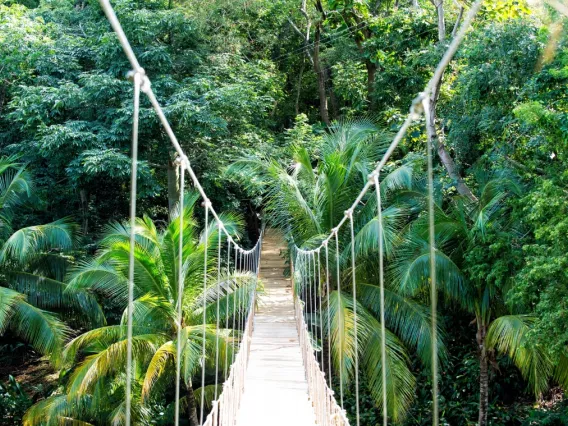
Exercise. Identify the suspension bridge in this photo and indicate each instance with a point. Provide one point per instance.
(281, 340)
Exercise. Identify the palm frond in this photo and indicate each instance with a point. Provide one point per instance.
(41, 329)
(508, 335)
(408, 319)
(26, 243)
(8, 299)
(47, 293)
(400, 380)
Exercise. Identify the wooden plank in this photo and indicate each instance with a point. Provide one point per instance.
(275, 390)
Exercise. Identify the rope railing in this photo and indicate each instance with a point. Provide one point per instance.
(420, 105)
(225, 405)
(327, 411)
(224, 408)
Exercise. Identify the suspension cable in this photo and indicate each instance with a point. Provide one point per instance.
(311, 273)
(227, 284)
(180, 288)
(433, 292)
(349, 213)
(235, 287)
(320, 312)
(340, 313)
(205, 243)
(328, 314)
(133, 191)
(218, 308)
(382, 296)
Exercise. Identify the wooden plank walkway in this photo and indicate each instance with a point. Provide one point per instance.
(275, 389)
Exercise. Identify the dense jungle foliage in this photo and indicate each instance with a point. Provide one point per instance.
(283, 107)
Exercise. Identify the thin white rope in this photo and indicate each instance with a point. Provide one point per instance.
(355, 320)
(382, 296)
(314, 300)
(311, 273)
(180, 289)
(241, 297)
(340, 313)
(302, 280)
(218, 308)
(328, 315)
(433, 292)
(205, 243)
(227, 307)
(235, 287)
(133, 191)
(320, 312)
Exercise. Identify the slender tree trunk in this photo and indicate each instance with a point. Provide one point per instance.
(483, 376)
(431, 130)
(441, 20)
(443, 154)
(192, 406)
(2, 97)
(321, 78)
(458, 19)
(84, 211)
(333, 104)
(299, 90)
(371, 72)
(173, 187)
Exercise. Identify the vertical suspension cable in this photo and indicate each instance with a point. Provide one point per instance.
(227, 305)
(433, 292)
(312, 273)
(249, 289)
(304, 283)
(240, 295)
(235, 287)
(320, 311)
(313, 302)
(354, 279)
(205, 243)
(218, 310)
(382, 295)
(340, 313)
(133, 192)
(328, 315)
(180, 288)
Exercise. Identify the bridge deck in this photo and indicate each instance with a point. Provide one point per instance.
(276, 390)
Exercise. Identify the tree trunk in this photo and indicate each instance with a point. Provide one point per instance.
(431, 130)
(441, 21)
(2, 97)
(443, 154)
(321, 78)
(173, 187)
(371, 72)
(483, 376)
(299, 90)
(84, 211)
(192, 406)
(333, 104)
(458, 20)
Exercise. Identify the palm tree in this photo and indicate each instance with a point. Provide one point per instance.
(306, 201)
(468, 272)
(96, 359)
(32, 265)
